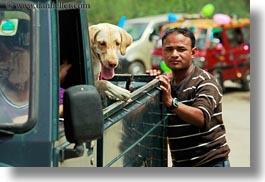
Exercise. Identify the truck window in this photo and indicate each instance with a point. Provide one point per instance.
(70, 45)
(71, 54)
(217, 34)
(14, 66)
(200, 35)
(135, 29)
(157, 29)
(235, 37)
(246, 34)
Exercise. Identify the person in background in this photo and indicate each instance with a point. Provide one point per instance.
(63, 72)
(14, 82)
(196, 131)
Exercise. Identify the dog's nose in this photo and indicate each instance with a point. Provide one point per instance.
(112, 65)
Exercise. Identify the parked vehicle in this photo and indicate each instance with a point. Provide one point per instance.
(95, 131)
(223, 49)
(145, 32)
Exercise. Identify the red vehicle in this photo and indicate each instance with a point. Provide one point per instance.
(223, 49)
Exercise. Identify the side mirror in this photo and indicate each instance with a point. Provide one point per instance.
(214, 42)
(158, 43)
(219, 47)
(83, 114)
(154, 37)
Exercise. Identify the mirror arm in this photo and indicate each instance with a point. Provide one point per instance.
(77, 151)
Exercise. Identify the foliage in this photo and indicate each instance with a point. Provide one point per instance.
(111, 11)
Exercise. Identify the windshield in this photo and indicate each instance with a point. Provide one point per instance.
(246, 34)
(200, 35)
(135, 29)
(14, 66)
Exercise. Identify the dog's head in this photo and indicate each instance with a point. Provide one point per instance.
(107, 41)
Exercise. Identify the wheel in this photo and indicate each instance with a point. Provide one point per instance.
(136, 68)
(245, 83)
(219, 78)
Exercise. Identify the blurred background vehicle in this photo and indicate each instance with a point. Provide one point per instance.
(223, 45)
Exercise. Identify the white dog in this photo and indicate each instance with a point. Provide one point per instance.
(107, 41)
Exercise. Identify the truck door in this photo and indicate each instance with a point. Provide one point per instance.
(23, 139)
(73, 48)
(135, 131)
(237, 53)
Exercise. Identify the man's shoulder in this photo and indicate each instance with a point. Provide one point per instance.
(203, 73)
(205, 78)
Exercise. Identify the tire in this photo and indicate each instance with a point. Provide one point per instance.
(245, 83)
(136, 68)
(219, 78)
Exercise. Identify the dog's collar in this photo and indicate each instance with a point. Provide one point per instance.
(100, 76)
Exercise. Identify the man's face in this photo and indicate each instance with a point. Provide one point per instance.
(177, 51)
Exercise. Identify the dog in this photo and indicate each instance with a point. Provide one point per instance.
(106, 41)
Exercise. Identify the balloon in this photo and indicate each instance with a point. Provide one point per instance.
(222, 18)
(172, 17)
(164, 67)
(122, 21)
(207, 10)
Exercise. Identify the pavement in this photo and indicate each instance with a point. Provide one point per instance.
(236, 114)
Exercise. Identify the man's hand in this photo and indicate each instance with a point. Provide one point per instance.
(153, 72)
(63, 71)
(165, 86)
(166, 89)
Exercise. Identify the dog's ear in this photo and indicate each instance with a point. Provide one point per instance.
(126, 40)
(93, 31)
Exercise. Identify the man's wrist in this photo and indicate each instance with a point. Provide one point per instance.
(174, 104)
(169, 103)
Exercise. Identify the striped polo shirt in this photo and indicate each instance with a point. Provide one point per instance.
(190, 145)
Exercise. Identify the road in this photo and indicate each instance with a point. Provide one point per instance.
(236, 116)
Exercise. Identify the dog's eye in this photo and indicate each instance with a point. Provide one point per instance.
(117, 44)
(102, 43)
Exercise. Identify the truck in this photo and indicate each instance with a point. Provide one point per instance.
(95, 131)
(223, 48)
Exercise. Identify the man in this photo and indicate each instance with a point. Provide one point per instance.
(196, 130)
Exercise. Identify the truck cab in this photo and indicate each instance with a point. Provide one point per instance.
(35, 38)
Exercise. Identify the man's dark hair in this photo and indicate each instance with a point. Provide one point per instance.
(184, 31)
